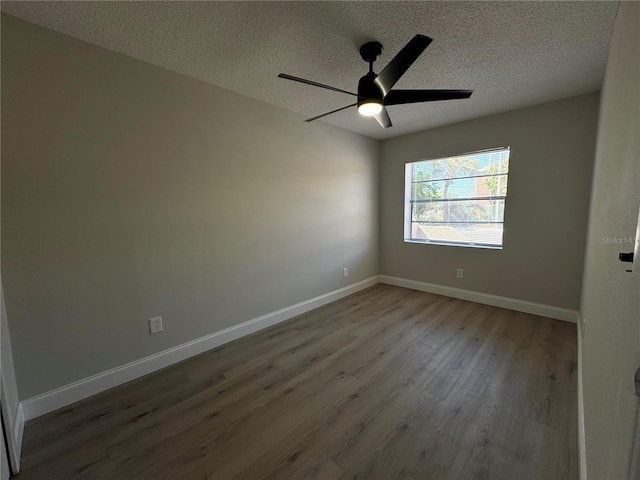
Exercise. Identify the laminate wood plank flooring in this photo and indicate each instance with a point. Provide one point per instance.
(388, 383)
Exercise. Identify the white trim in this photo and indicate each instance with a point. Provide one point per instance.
(582, 446)
(74, 392)
(68, 394)
(14, 430)
(485, 298)
(18, 431)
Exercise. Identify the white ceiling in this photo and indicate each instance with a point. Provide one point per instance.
(513, 54)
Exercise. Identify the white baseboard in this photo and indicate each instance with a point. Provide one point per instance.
(486, 298)
(582, 446)
(74, 392)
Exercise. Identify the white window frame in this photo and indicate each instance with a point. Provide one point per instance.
(408, 204)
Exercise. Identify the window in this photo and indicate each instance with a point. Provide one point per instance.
(457, 200)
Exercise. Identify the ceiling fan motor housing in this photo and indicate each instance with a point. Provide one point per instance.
(368, 91)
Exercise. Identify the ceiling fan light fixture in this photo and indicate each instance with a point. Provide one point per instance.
(369, 108)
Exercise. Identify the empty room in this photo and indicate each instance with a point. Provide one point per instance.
(320, 240)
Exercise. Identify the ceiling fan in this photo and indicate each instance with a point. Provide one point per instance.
(375, 91)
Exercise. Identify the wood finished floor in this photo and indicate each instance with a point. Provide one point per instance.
(388, 383)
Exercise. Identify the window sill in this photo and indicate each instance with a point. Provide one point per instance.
(448, 244)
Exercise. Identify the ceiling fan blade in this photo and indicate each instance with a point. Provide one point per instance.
(315, 84)
(329, 113)
(401, 63)
(399, 97)
(383, 118)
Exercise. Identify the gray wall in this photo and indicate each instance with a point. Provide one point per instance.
(129, 191)
(8, 386)
(552, 149)
(611, 297)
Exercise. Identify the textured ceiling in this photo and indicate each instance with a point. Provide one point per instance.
(513, 54)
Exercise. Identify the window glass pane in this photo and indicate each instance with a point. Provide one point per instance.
(467, 211)
(462, 166)
(458, 200)
(480, 186)
(479, 234)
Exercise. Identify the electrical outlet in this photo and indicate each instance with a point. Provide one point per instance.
(155, 325)
(460, 273)
(345, 272)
